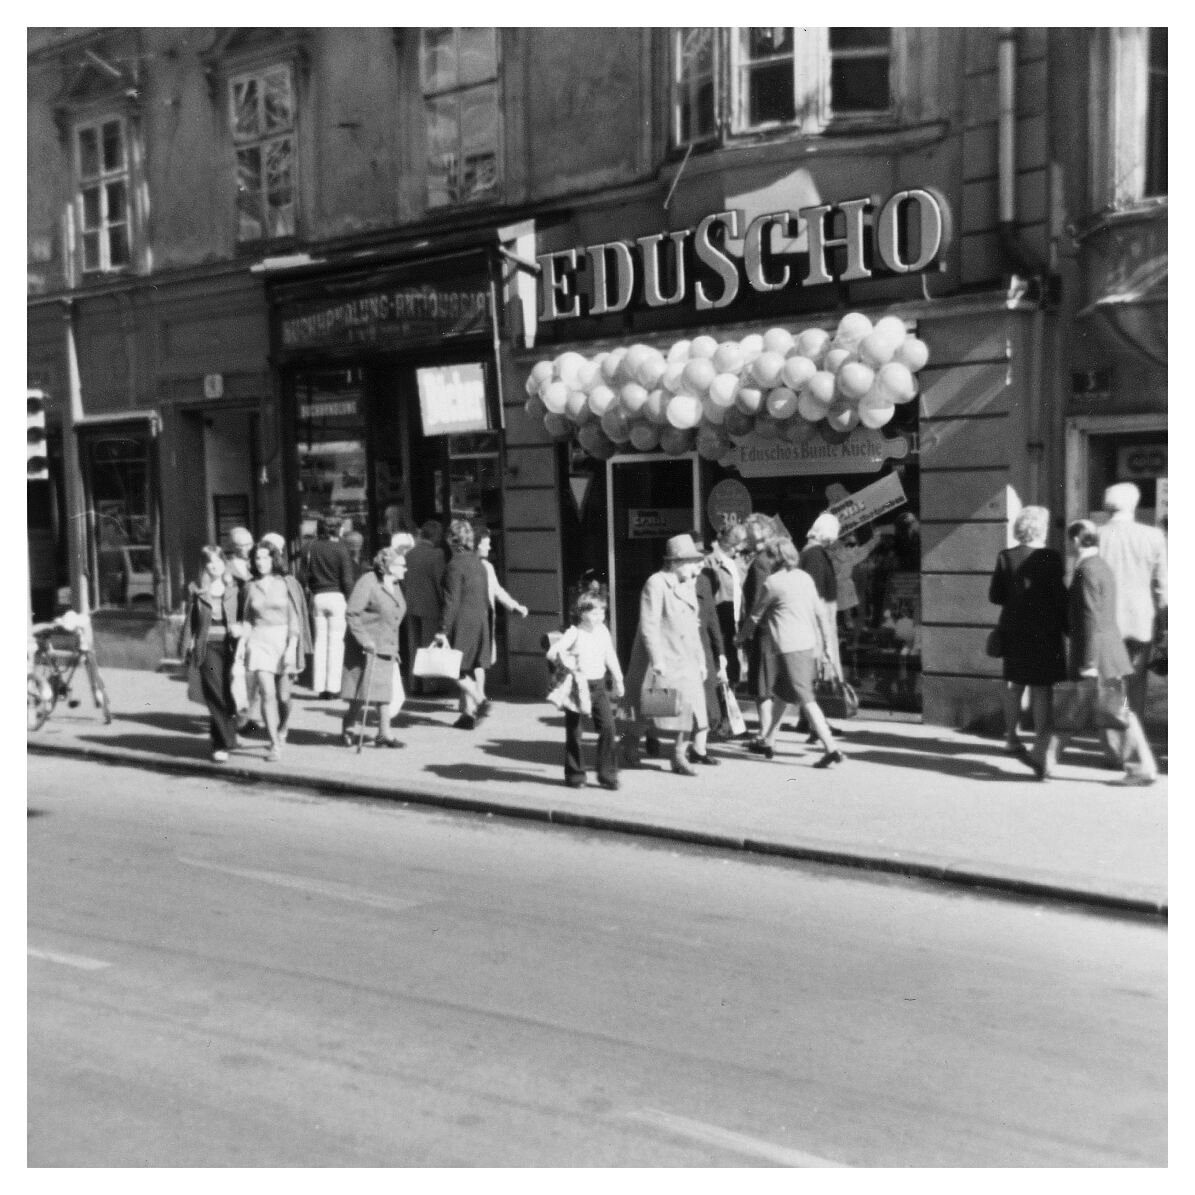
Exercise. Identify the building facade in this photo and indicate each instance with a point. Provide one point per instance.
(276, 272)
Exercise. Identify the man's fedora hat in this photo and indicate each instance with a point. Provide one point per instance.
(682, 547)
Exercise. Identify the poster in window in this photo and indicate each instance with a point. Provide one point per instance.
(452, 399)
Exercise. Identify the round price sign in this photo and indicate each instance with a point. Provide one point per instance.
(729, 502)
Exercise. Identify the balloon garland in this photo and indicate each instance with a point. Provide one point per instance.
(709, 396)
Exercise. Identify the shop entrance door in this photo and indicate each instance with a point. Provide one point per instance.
(649, 497)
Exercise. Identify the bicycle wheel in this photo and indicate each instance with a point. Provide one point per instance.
(39, 706)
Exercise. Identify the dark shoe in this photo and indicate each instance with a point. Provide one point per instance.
(830, 759)
(386, 740)
(707, 759)
(327, 696)
(681, 767)
(612, 783)
(347, 737)
(651, 747)
(575, 782)
(483, 710)
(249, 729)
(465, 722)
(759, 747)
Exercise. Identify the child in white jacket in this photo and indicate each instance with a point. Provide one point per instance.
(587, 649)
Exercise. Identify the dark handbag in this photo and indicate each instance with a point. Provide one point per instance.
(657, 701)
(1090, 704)
(994, 644)
(836, 698)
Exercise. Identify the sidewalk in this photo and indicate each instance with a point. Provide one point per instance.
(911, 799)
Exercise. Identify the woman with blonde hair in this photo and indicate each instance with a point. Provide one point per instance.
(1029, 587)
(270, 628)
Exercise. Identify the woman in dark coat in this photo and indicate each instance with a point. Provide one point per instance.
(465, 621)
(207, 646)
(1098, 652)
(1029, 585)
(374, 615)
(761, 533)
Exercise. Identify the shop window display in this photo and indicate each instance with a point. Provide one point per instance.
(332, 463)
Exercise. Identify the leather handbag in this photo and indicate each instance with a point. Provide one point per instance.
(442, 662)
(836, 698)
(658, 701)
(994, 644)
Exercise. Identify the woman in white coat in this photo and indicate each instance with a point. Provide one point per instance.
(668, 654)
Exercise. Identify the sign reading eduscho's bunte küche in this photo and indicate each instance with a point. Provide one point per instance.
(905, 234)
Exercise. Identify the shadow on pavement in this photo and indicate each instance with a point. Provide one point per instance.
(196, 723)
(197, 746)
(526, 751)
(473, 773)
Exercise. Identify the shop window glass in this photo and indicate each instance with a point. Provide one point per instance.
(101, 202)
(263, 132)
(119, 485)
(459, 69)
(332, 464)
(694, 84)
(1156, 115)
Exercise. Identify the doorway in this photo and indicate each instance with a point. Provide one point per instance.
(649, 497)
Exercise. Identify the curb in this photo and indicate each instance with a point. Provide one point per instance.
(1009, 887)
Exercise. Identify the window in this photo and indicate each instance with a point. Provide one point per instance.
(263, 133)
(747, 80)
(331, 445)
(1155, 118)
(102, 200)
(459, 70)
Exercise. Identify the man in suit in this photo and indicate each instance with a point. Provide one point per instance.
(424, 590)
(1136, 554)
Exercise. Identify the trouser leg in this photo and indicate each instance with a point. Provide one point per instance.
(319, 661)
(337, 623)
(603, 720)
(574, 758)
(213, 677)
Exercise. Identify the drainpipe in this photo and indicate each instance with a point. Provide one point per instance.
(1025, 261)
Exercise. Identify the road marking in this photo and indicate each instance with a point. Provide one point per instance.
(329, 888)
(68, 960)
(712, 1134)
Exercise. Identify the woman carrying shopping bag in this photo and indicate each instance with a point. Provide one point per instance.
(465, 622)
(666, 677)
(371, 674)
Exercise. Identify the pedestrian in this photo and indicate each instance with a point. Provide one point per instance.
(482, 538)
(761, 531)
(667, 657)
(816, 560)
(587, 649)
(240, 570)
(1136, 554)
(328, 575)
(1098, 653)
(794, 620)
(298, 601)
(465, 620)
(726, 572)
(424, 591)
(1028, 586)
(271, 631)
(374, 616)
(715, 649)
(207, 646)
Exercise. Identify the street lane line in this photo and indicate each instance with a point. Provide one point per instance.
(711, 1134)
(329, 888)
(68, 960)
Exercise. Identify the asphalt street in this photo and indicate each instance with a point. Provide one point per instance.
(233, 975)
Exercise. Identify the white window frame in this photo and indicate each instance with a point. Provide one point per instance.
(680, 87)
(102, 181)
(493, 193)
(262, 142)
(812, 60)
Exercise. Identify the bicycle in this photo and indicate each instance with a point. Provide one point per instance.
(62, 646)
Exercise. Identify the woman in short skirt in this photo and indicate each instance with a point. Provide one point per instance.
(793, 619)
(271, 637)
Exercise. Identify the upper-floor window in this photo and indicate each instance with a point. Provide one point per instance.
(459, 69)
(102, 195)
(1156, 115)
(747, 80)
(263, 133)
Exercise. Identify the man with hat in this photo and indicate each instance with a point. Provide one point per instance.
(668, 655)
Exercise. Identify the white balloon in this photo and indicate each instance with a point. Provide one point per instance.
(749, 400)
(650, 370)
(576, 406)
(656, 405)
(555, 397)
(913, 354)
(673, 375)
(601, 399)
(893, 327)
(568, 366)
(855, 380)
(836, 358)
(765, 369)
(723, 388)
(679, 351)
(751, 346)
(684, 411)
(542, 372)
(875, 417)
(778, 340)
(809, 407)
(821, 387)
(851, 329)
(797, 371)
(842, 416)
(728, 358)
(613, 364)
(632, 397)
(813, 343)
(876, 348)
(703, 346)
(898, 379)
(699, 372)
